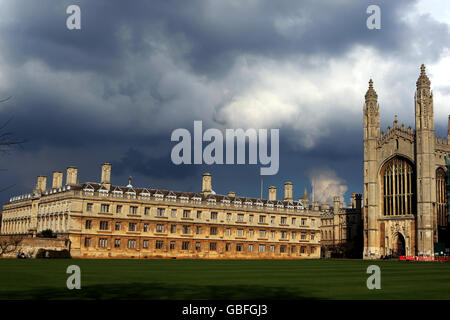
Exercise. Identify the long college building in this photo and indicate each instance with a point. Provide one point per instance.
(106, 221)
(405, 200)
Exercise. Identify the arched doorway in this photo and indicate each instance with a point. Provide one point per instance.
(399, 246)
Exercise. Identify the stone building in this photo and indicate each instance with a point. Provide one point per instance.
(404, 179)
(102, 220)
(341, 229)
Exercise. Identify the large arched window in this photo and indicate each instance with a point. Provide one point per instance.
(398, 187)
(441, 197)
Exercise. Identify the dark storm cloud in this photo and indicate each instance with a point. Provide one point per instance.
(115, 90)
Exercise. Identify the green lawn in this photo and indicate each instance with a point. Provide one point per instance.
(222, 279)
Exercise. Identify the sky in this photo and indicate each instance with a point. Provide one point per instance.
(115, 90)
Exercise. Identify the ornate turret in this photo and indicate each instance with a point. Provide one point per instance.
(371, 94)
(423, 82)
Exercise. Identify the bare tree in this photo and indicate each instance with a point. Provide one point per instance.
(7, 139)
(9, 244)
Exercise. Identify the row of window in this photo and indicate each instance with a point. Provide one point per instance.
(161, 212)
(186, 245)
(161, 228)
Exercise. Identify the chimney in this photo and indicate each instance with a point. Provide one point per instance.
(337, 203)
(206, 184)
(57, 179)
(231, 194)
(272, 193)
(288, 191)
(356, 200)
(41, 184)
(106, 175)
(71, 176)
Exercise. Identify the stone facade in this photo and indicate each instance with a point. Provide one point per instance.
(106, 221)
(341, 230)
(404, 179)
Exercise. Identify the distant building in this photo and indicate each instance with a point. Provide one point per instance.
(341, 230)
(107, 221)
(405, 200)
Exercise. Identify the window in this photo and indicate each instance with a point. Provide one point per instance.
(283, 220)
(261, 248)
(303, 236)
(198, 230)
(104, 225)
(250, 248)
(272, 219)
(197, 246)
(250, 218)
(313, 222)
(239, 247)
(227, 247)
(213, 215)
(173, 228)
(228, 216)
(116, 243)
(147, 211)
(160, 212)
(293, 235)
(89, 207)
(441, 198)
(282, 248)
(293, 221)
(312, 236)
(262, 219)
(313, 249)
(302, 249)
(133, 209)
(145, 244)
(88, 224)
(131, 244)
(146, 227)
(251, 233)
(240, 232)
(199, 214)
(172, 245)
(186, 229)
(159, 244)
(213, 231)
(186, 213)
(118, 226)
(283, 234)
(212, 246)
(228, 232)
(398, 188)
(104, 208)
(173, 213)
(272, 248)
(119, 209)
(185, 245)
(132, 226)
(272, 234)
(159, 228)
(87, 242)
(240, 217)
(303, 222)
(262, 233)
(102, 243)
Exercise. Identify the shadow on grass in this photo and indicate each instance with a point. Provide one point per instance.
(157, 291)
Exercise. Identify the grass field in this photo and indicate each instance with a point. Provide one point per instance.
(222, 279)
